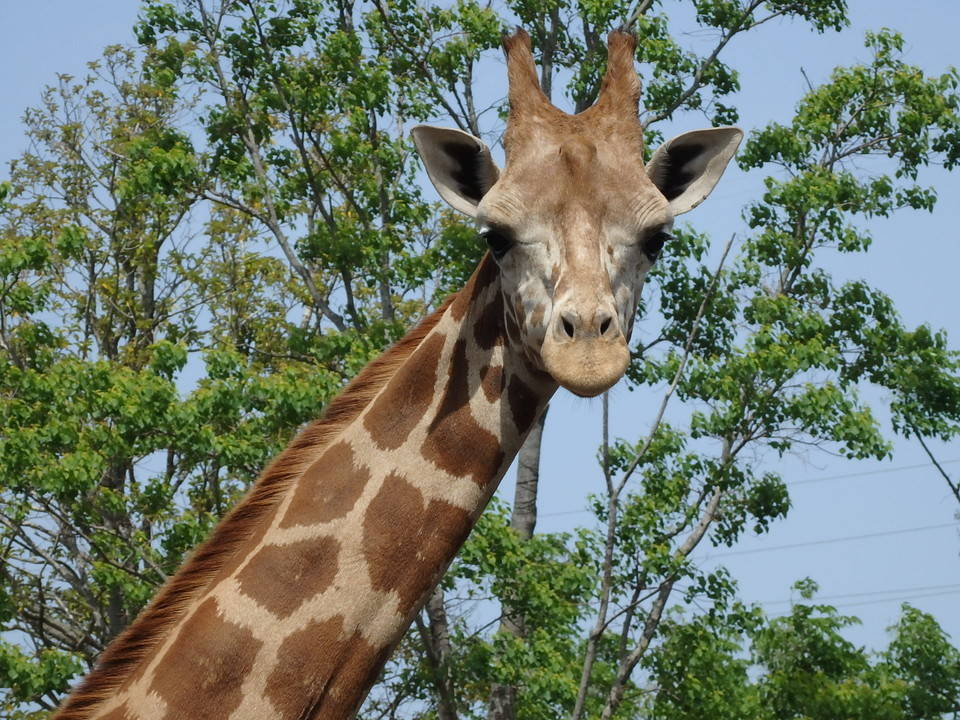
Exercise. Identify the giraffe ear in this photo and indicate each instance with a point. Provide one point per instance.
(459, 165)
(686, 168)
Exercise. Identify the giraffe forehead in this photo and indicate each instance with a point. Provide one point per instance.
(555, 127)
(577, 194)
(576, 148)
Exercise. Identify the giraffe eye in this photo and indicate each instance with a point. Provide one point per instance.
(499, 240)
(654, 244)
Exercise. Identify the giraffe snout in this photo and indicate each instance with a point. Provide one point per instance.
(585, 350)
(571, 325)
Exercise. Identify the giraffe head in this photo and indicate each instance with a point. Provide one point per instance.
(575, 220)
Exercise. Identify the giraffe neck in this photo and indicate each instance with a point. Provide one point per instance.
(301, 620)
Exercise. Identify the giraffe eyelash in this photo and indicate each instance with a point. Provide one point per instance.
(653, 245)
(499, 239)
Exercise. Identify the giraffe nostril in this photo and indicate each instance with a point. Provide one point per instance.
(605, 325)
(567, 327)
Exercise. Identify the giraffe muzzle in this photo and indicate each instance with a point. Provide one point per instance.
(585, 356)
(586, 367)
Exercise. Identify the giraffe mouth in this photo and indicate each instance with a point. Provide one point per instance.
(586, 367)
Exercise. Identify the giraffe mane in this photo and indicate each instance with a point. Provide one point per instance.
(180, 590)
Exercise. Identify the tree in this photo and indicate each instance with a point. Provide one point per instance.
(799, 665)
(215, 230)
(110, 475)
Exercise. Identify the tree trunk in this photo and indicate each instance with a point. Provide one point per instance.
(436, 639)
(523, 520)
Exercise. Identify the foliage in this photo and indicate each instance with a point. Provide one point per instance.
(212, 232)
(111, 470)
(743, 665)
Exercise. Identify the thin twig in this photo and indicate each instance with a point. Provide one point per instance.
(691, 338)
(632, 18)
(954, 488)
(697, 82)
(627, 665)
(606, 583)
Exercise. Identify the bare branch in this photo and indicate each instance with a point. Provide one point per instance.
(954, 487)
(691, 338)
(436, 641)
(627, 665)
(697, 82)
(632, 18)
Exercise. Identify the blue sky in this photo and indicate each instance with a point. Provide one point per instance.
(897, 517)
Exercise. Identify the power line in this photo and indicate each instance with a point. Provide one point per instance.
(912, 593)
(827, 541)
(843, 476)
(954, 587)
(877, 601)
(898, 599)
(865, 473)
(563, 512)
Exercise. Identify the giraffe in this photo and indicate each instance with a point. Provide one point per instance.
(292, 606)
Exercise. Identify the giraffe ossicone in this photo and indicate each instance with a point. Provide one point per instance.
(292, 606)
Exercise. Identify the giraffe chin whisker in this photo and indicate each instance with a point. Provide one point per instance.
(586, 367)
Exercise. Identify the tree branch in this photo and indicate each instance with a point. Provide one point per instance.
(697, 82)
(691, 338)
(436, 641)
(954, 487)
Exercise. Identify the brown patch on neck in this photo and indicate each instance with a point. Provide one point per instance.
(283, 577)
(360, 668)
(199, 668)
(403, 403)
(328, 489)
(408, 542)
(488, 330)
(524, 403)
(492, 382)
(486, 274)
(308, 659)
(137, 642)
(445, 444)
(323, 672)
